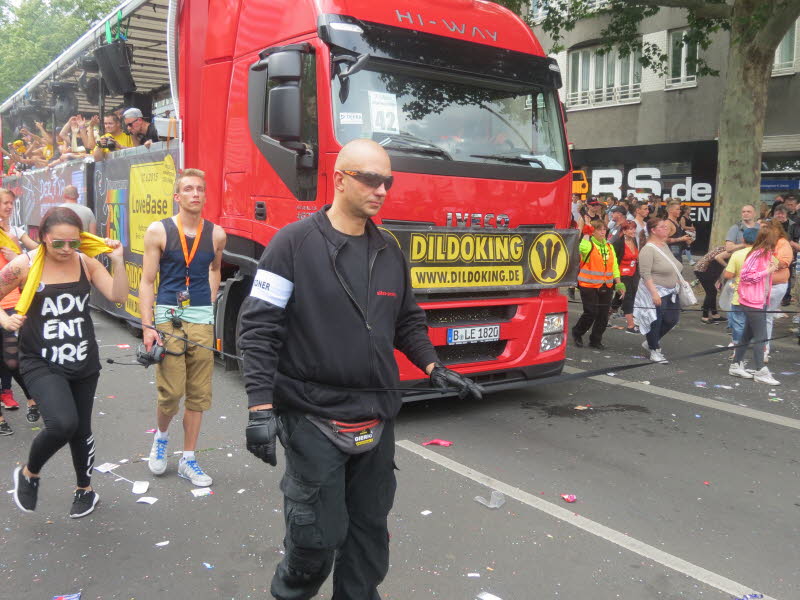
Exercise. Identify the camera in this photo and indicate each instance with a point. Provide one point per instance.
(108, 143)
(153, 357)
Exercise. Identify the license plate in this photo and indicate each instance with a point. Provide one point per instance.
(470, 335)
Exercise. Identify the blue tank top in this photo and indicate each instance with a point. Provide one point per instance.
(172, 268)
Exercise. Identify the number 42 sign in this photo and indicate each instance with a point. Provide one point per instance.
(383, 112)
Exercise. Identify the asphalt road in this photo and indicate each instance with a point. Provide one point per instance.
(682, 491)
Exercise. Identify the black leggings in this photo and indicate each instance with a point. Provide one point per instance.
(9, 366)
(709, 284)
(66, 408)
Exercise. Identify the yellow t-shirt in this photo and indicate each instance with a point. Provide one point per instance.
(123, 139)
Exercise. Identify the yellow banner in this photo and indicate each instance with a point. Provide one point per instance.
(132, 306)
(455, 277)
(150, 197)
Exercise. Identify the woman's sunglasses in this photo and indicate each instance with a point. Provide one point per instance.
(373, 180)
(59, 244)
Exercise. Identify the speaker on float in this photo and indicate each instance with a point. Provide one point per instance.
(143, 102)
(114, 61)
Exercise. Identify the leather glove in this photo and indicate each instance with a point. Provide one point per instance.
(261, 432)
(587, 230)
(442, 377)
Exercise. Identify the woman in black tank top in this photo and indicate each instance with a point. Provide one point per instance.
(678, 240)
(58, 351)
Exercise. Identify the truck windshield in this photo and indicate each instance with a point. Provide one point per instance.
(440, 120)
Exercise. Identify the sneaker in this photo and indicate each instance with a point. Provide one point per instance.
(5, 428)
(646, 346)
(157, 461)
(597, 345)
(657, 357)
(33, 413)
(634, 329)
(764, 376)
(738, 370)
(7, 400)
(84, 503)
(189, 469)
(25, 491)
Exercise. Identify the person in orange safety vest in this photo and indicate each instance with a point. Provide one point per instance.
(598, 277)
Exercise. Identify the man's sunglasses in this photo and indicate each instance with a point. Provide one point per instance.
(128, 125)
(58, 244)
(373, 180)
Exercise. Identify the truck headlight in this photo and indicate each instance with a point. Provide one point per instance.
(553, 323)
(551, 342)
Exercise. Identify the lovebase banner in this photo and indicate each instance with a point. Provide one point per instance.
(132, 190)
(448, 259)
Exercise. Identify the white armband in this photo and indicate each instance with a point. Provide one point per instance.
(272, 288)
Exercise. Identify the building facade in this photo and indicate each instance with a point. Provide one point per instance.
(631, 129)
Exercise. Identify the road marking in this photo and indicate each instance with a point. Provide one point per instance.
(742, 411)
(615, 537)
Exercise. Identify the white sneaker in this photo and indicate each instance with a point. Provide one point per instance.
(646, 346)
(738, 370)
(189, 469)
(764, 376)
(157, 460)
(656, 356)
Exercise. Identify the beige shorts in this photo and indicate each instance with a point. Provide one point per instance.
(186, 375)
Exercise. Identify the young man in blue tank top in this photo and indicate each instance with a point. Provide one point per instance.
(185, 252)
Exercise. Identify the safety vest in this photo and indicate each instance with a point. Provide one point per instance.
(597, 270)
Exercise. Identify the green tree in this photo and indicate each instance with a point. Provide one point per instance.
(34, 32)
(756, 29)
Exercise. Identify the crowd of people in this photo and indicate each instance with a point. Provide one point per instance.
(78, 138)
(632, 260)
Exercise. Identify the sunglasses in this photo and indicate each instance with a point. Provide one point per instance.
(58, 244)
(128, 125)
(373, 180)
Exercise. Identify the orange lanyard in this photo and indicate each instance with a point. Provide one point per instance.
(189, 256)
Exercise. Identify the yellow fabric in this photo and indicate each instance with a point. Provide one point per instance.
(91, 245)
(7, 242)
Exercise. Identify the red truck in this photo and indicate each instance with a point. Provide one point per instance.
(265, 93)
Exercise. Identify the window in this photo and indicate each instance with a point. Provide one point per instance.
(682, 60)
(784, 55)
(413, 114)
(597, 79)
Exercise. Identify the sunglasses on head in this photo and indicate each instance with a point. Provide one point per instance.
(58, 244)
(373, 180)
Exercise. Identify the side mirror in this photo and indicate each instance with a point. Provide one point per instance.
(284, 112)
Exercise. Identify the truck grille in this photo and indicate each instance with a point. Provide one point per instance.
(469, 315)
(470, 353)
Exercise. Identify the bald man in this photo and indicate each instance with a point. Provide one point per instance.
(70, 196)
(330, 302)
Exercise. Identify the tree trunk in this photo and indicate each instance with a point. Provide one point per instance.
(741, 131)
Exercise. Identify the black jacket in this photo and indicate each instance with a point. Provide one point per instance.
(299, 357)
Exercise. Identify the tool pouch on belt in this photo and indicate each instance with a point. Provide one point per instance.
(350, 438)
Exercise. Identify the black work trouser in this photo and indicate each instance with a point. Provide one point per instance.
(595, 312)
(335, 507)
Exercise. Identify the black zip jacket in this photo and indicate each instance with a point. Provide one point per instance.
(304, 337)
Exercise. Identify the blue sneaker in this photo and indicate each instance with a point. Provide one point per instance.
(189, 469)
(158, 457)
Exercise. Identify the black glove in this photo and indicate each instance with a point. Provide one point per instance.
(442, 377)
(261, 431)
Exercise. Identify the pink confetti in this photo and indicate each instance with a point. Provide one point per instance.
(569, 498)
(111, 397)
(706, 483)
(150, 431)
(123, 346)
(437, 442)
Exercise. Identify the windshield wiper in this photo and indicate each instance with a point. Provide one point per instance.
(406, 142)
(518, 159)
